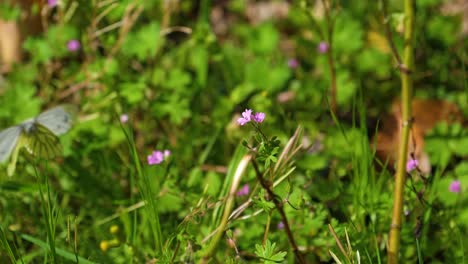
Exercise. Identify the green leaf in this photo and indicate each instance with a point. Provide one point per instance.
(9, 12)
(462, 169)
(267, 253)
(63, 253)
(263, 39)
(199, 59)
(39, 49)
(143, 43)
(133, 92)
(178, 79)
(461, 146)
(348, 35)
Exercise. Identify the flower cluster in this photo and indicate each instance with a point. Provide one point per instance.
(158, 156)
(247, 116)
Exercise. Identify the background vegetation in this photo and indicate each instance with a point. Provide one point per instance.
(183, 71)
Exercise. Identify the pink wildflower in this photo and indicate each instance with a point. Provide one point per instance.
(244, 190)
(246, 117)
(73, 45)
(155, 158)
(293, 63)
(411, 165)
(455, 186)
(124, 118)
(280, 225)
(322, 47)
(52, 3)
(259, 117)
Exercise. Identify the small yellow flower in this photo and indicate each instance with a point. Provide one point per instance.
(107, 244)
(104, 245)
(114, 229)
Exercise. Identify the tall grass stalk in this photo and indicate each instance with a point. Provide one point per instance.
(148, 193)
(406, 92)
(236, 171)
(5, 245)
(48, 210)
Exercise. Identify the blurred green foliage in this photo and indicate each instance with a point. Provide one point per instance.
(183, 89)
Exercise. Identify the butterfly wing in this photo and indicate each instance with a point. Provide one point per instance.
(40, 141)
(57, 120)
(8, 139)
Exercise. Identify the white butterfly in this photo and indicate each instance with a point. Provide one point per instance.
(38, 135)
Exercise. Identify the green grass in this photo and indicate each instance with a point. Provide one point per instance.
(314, 189)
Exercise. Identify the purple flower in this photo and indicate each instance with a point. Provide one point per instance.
(52, 3)
(244, 190)
(259, 117)
(455, 186)
(411, 165)
(124, 118)
(155, 158)
(246, 117)
(322, 47)
(280, 225)
(73, 45)
(293, 63)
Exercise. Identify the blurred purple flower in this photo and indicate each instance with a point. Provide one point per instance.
(244, 190)
(280, 225)
(259, 117)
(455, 186)
(73, 45)
(246, 117)
(52, 3)
(322, 47)
(124, 118)
(411, 165)
(155, 158)
(293, 63)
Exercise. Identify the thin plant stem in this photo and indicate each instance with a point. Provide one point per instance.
(327, 35)
(388, 32)
(406, 93)
(280, 208)
(48, 213)
(267, 230)
(331, 62)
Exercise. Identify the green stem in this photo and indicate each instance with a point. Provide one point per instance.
(406, 92)
(279, 206)
(331, 63)
(204, 16)
(48, 213)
